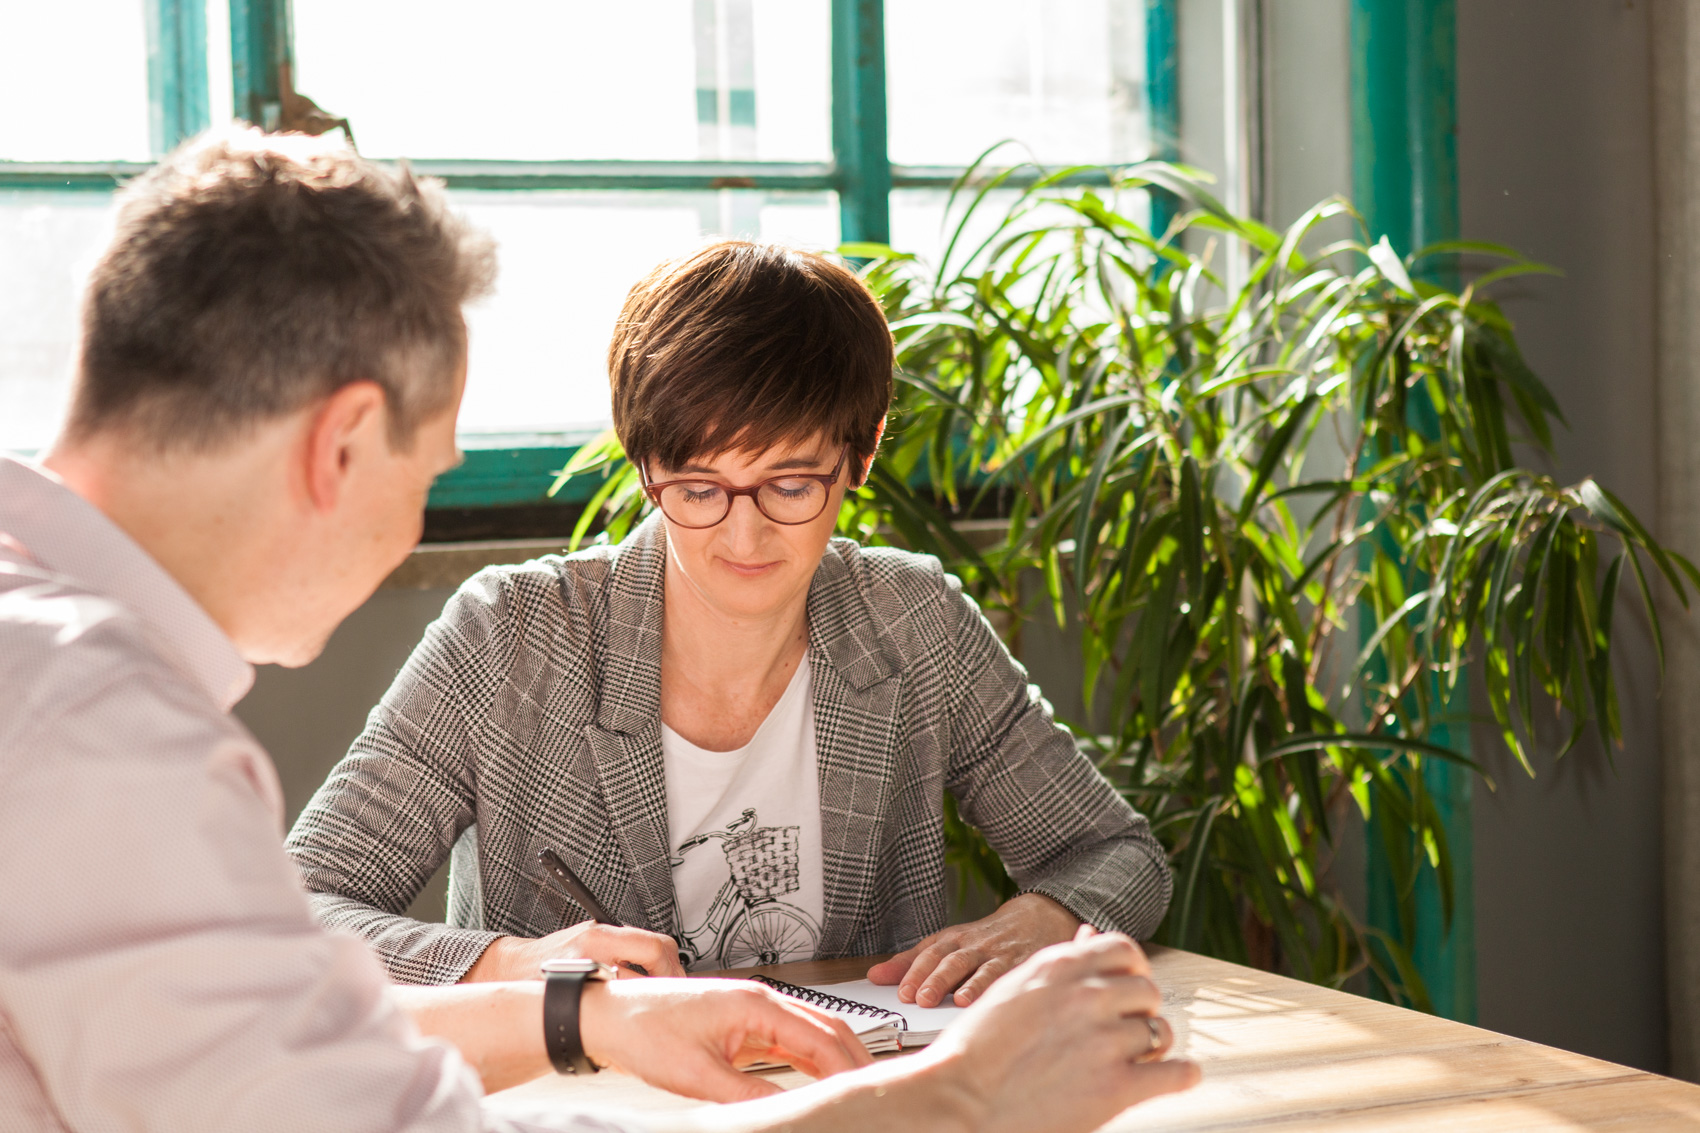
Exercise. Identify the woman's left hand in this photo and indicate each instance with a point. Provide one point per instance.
(968, 957)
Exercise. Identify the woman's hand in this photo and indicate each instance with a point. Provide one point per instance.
(691, 1037)
(518, 957)
(966, 958)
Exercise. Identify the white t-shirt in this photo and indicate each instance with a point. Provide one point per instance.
(744, 828)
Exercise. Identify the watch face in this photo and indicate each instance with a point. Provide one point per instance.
(577, 967)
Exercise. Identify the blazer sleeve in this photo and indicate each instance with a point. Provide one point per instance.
(392, 809)
(1059, 825)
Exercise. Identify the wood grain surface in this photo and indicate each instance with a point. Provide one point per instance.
(1283, 1055)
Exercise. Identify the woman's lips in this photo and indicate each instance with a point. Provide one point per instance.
(748, 569)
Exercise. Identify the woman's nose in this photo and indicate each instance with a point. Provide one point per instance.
(745, 522)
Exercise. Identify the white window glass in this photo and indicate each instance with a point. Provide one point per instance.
(539, 344)
(49, 242)
(542, 80)
(1065, 78)
(924, 222)
(220, 100)
(74, 81)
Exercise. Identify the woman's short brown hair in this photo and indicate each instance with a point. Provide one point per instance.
(741, 346)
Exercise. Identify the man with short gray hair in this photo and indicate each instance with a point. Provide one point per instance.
(272, 360)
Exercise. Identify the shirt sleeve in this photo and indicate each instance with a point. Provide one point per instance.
(392, 809)
(1060, 827)
(159, 967)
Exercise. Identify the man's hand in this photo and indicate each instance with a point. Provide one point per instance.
(966, 958)
(518, 957)
(690, 1037)
(1066, 1041)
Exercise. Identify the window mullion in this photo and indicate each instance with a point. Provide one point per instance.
(1162, 101)
(177, 72)
(260, 47)
(858, 121)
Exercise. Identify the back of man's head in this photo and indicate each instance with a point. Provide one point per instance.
(253, 274)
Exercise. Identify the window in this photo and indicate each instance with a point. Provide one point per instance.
(592, 140)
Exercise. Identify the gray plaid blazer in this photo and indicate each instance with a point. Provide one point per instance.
(529, 716)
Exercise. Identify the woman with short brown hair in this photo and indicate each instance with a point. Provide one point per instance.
(737, 729)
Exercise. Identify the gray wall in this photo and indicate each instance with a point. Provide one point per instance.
(1555, 158)
(307, 717)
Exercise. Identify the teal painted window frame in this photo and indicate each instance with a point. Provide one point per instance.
(1405, 182)
(514, 469)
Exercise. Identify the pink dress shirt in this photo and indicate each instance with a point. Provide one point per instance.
(159, 967)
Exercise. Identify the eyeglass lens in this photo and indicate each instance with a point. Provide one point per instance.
(704, 503)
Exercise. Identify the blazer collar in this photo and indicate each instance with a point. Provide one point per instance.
(629, 697)
(843, 630)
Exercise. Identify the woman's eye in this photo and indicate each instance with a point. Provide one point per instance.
(793, 489)
(705, 494)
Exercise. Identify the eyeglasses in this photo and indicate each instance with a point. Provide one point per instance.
(792, 499)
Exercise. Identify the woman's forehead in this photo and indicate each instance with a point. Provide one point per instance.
(805, 454)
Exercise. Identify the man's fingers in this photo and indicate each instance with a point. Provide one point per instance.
(1105, 954)
(1151, 1079)
(843, 1038)
(1138, 1043)
(1122, 997)
(817, 1044)
(951, 971)
(714, 1081)
(976, 984)
(1124, 950)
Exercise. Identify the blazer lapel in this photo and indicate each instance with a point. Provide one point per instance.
(635, 791)
(625, 740)
(856, 697)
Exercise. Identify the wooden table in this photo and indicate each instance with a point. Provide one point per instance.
(1278, 1054)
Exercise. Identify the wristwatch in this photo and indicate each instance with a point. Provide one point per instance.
(563, 985)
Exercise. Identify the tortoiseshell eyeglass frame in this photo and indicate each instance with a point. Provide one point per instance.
(653, 491)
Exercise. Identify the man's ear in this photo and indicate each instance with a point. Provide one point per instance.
(343, 424)
(868, 464)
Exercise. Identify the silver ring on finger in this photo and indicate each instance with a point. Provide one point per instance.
(1156, 1035)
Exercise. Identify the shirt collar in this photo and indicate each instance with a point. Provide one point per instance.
(71, 537)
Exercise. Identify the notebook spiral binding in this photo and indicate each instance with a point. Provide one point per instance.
(833, 1002)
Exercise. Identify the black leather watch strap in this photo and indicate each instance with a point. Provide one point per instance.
(562, 992)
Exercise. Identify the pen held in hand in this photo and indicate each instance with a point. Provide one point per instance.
(567, 881)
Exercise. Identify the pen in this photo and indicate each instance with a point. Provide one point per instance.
(562, 875)
(564, 878)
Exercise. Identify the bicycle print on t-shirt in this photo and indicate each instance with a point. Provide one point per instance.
(747, 924)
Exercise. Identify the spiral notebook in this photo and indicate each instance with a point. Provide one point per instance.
(874, 1013)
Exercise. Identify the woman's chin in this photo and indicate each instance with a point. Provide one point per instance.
(755, 598)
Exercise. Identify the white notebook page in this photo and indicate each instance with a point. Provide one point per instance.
(923, 1019)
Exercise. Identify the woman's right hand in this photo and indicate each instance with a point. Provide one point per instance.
(1062, 1042)
(518, 957)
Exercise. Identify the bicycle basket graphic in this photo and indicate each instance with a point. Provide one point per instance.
(764, 862)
